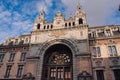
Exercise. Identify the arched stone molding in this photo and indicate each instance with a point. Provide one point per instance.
(69, 43)
(45, 46)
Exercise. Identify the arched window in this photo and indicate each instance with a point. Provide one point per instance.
(57, 63)
(47, 26)
(69, 24)
(51, 26)
(38, 26)
(65, 24)
(44, 27)
(80, 21)
(73, 23)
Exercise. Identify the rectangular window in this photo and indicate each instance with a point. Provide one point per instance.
(23, 56)
(1, 57)
(19, 71)
(67, 73)
(7, 73)
(100, 75)
(52, 74)
(112, 51)
(117, 74)
(108, 33)
(93, 34)
(12, 55)
(96, 51)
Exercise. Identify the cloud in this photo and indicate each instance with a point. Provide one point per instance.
(17, 16)
(13, 24)
(99, 12)
(41, 5)
(49, 2)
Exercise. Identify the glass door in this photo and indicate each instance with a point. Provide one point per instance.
(60, 73)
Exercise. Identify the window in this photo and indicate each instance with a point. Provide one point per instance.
(16, 41)
(100, 74)
(21, 42)
(7, 73)
(26, 40)
(108, 33)
(38, 26)
(23, 56)
(73, 23)
(93, 34)
(19, 71)
(96, 51)
(112, 51)
(3, 50)
(25, 48)
(67, 73)
(117, 74)
(60, 73)
(10, 43)
(53, 73)
(44, 27)
(80, 21)
(1, 57)
(57, 63)
(13, 49)
(65, 24)
(96, 42)
(12, 55)
(51, 26)
(69, 24)
(110, 41)
(47, 26)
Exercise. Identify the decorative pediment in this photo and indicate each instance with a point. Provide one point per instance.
(28, 76)
(84, 76)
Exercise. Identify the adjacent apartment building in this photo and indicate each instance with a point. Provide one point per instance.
(62, 50)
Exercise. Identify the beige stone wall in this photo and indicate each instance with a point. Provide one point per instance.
(106, 60)
(15, 63)
(73, 33)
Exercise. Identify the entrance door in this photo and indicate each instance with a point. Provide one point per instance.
(60, 73)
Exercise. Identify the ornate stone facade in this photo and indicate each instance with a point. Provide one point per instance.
(63, 50)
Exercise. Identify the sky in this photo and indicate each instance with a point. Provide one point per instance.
(17, 16)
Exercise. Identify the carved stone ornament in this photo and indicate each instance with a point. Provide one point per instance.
(57, 33)
(115, 61)
(57, 41)
(98, 63)
(28, 76)
(84, 76)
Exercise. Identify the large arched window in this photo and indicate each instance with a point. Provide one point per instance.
(57, 63)
(80, 21)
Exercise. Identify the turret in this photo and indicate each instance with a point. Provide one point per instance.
(40, 21)
(80, 16)
(58, 20)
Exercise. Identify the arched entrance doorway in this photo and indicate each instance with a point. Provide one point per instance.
(57, 64)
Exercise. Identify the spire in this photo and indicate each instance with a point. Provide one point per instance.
(70, 18)
(59, 13)
(42, 12)
(41, 15)
(78, 6)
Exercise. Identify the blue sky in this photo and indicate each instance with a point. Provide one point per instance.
(17, 16)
